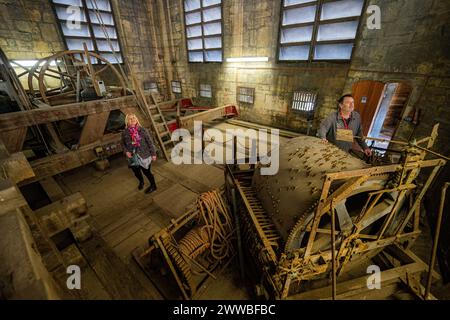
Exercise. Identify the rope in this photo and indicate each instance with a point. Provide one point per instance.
(217, 223)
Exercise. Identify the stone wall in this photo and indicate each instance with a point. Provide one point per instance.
(28, 29)
(412, 46)
(143, 52)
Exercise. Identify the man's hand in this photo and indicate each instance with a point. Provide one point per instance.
(128, 154)
(153, 158)
(368, 152)
(324, 140)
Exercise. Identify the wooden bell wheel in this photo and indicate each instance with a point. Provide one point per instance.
(72, 71)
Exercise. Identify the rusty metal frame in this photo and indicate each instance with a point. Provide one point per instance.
(164, 241)
(303, 265)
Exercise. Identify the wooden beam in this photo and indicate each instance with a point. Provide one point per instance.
(13, 120)
(52, 189)
(14, 139)
(94, 128)
(16, 168)
(61, 214)
(10, 197)
(4, 153)
(188, 122)
(58, 163)
(351, 286)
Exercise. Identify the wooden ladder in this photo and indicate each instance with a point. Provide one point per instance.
(159, 125)
(161, 128)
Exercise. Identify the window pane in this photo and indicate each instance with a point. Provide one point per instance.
(212, 28)
(294, 53)
(72, 13)
(77, 44)
(93, 59)
(99, 32)
(194, 17)
(206, 94)
(333, 51)
(195, 44)
(110, 57)
(69, 2)
(195, 31)
(205, 90)
(82, 31)
(207, 3)
(211, 14)
(211, 43)
(213, 55)
(176, 86)
(190, 5)
(293, 2)
(296, 34)
(299, 15)
(337, 31)
(103, 45)
(341, 9)
(151, 86)
(99, 4)
(106, 18)
(195, 56)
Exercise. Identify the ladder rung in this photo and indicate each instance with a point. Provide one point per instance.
(165, 133)
(167, 142)
(152, 108)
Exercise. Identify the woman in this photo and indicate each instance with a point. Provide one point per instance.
(140, 151)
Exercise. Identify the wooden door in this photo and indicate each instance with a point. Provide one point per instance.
(367, 95)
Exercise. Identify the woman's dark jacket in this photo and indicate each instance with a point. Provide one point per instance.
(146, 149)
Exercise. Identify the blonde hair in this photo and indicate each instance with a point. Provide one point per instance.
(131, 115)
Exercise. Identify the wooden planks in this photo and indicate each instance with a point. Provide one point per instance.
(14, 139)
(116, 278)
(58, 163)
(94, 128)
(16, 168)
(13, 120)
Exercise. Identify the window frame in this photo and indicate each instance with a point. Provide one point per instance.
(306, 113)
(171, 86)
(316, 23)
(200, 90)
(238, 94)
(91, 30)
(202, 37)
(149, 83)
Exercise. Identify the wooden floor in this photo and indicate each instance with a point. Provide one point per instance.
(125, 217)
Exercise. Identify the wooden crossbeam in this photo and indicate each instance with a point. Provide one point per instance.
(13, 120)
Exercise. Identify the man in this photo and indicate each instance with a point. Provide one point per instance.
(341, 126)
